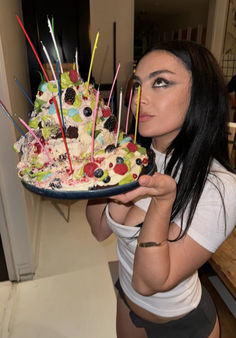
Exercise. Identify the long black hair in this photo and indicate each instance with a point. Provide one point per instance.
(203, 135)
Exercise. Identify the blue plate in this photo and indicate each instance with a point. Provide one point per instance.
(89, 194)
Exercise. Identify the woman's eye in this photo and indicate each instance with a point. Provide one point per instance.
(160, 83)
(136, 85)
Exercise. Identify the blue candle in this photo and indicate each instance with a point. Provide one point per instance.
(10, 117)
(59, 93)
(24, 92)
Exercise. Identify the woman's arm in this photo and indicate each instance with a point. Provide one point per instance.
(95, 213)
(160, 268)
(96, 217)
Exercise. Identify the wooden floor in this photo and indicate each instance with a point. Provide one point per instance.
(227, 320)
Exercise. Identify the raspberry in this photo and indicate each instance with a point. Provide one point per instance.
(132, 147)
(110, 123)
(89, 169)
(121, 168)
(145, 161)
(73, 75)
(70, 96)
(106, 112)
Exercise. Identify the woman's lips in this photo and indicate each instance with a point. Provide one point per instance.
(144, 117)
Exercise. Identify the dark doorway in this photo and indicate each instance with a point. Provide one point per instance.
(3, 267)
(71, 29)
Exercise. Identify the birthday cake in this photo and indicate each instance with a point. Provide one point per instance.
(51, 160)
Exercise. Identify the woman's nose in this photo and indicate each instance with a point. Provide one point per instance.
(143, 96)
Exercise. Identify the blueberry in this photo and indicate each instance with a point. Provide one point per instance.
(138, 161)
(107, 179)
(110, 148)
(98, 173)
(119, 160)
(87, 111)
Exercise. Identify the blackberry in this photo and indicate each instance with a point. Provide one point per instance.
(139, 161)
(72, 132)
(119, 160)
(98, 173)
(87, 111)
(70, 95)
(110, 148)
(55, 184)
(107, 179)
(110, 123)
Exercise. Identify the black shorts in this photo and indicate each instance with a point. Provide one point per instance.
(198, 323)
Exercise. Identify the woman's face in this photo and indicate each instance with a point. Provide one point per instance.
(165, 96)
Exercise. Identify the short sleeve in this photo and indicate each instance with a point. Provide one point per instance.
(215, 216)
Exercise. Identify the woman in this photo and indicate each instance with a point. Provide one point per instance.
(170, 226)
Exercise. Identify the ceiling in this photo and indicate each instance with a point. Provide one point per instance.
(167, 7)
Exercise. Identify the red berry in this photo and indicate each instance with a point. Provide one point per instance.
(132, 147)
(145, 161)
(38, 148)
(110, 165)
(42, 140)
(121, 168)
(40, 93)
(89, 169)
(135, 176)
(116, 127)
(73, 75)
(106, 112)
(51, 101)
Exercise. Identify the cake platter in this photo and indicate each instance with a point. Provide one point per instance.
(89, 194)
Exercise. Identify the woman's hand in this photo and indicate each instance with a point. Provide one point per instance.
(158, 186)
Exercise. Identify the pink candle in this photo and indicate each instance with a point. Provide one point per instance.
(36, 138)
(127, 118)
(94, 124)
(112, 87)
(119, 118)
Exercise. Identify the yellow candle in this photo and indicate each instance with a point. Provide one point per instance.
(91, 63)
(137, 113)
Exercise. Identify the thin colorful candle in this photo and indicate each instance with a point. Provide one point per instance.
(54, 42)
(23, 91)
(49, 61)
(46, 77)
(94, 124)
(113, 84)
(36, 138)
(119, 118)
(128, 111)
(59, 94)
(32, 46)
(76, 61)
(91, 63)
(137, 113)
(11, 118)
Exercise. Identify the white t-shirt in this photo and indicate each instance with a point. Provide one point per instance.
(207, 229)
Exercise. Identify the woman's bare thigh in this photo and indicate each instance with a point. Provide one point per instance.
(216, 331)
(124, 325)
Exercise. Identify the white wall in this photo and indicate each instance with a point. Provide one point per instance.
(19, 225)
(217, 18)
(102, 15)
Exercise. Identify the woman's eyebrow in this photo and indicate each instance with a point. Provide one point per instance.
(153, 74)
